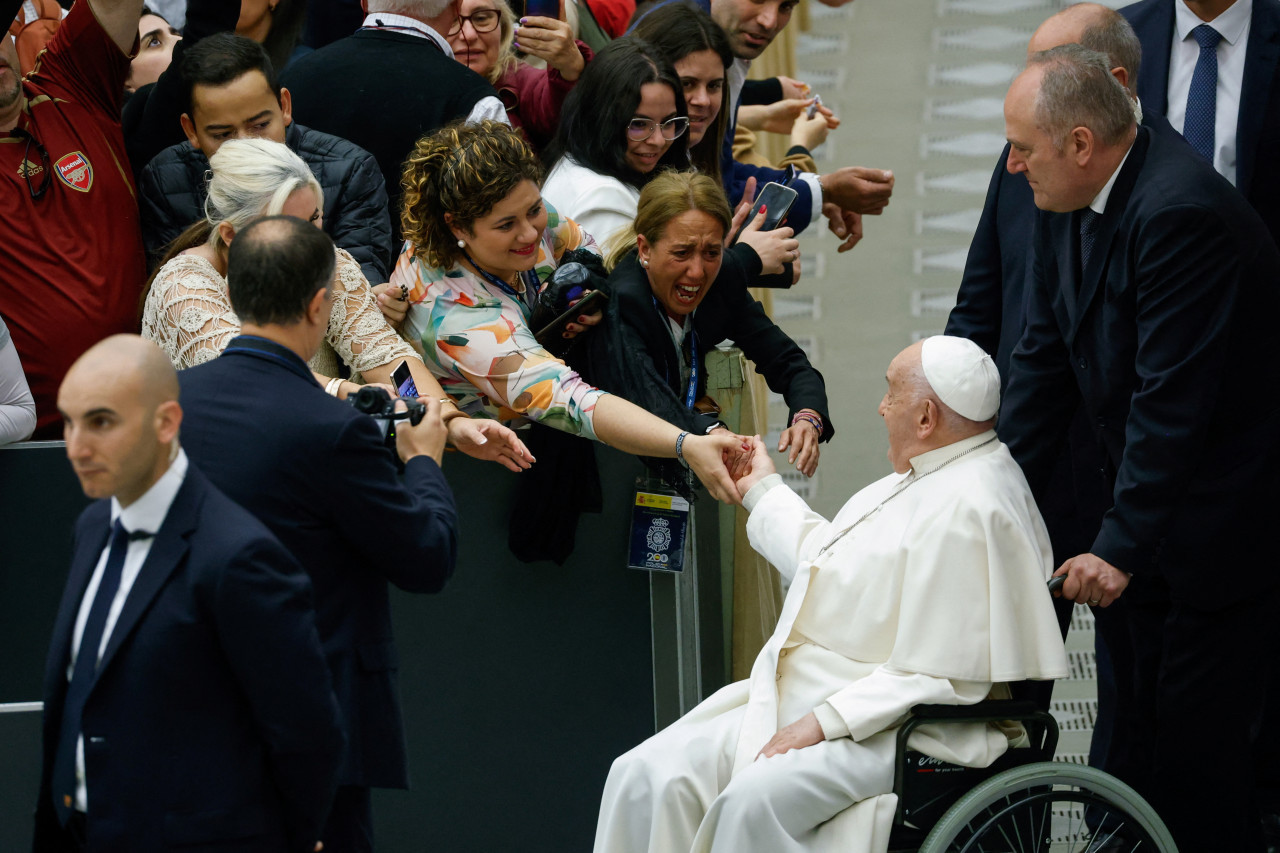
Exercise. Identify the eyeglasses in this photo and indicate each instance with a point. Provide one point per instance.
(640, 129)
(43, 152)
(484, 21)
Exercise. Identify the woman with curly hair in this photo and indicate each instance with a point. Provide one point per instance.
(480, 244)
(187, 308)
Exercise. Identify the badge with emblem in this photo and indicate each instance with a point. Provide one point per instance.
(659, 526)
(75, 171)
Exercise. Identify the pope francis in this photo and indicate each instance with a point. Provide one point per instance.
(928, 586)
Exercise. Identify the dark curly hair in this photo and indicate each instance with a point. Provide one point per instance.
(593, 123)
(463, 170)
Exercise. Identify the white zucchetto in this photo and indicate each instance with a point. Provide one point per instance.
(962, 375)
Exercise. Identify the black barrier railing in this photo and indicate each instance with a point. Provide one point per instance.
(520, 682)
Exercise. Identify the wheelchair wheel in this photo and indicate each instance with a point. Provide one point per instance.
(1050, 807)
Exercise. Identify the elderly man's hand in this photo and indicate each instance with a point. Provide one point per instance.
(711, 458)
(803, 732)
(1092, 580)
(761, 467)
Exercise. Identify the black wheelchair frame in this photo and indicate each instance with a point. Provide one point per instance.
(1023, 803)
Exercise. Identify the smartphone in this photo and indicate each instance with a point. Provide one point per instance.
(542, 8)
(777, 201)
(589, 304)
(403, 380)
(813, 108)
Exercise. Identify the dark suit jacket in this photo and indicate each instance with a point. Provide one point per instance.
(649, 375)
(990, 309)
(382, 90)
(991, 303)
(1258, 126)
(1169, 343)
(315, 471)
(172, 190)
(212, 720)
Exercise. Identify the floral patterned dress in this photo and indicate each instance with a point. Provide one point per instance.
(476, 340)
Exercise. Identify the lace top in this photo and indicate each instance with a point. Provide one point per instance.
(188, 313)
(476, 340)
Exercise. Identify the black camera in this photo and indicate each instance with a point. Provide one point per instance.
(378, 404)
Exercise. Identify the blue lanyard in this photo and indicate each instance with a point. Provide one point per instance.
(691, 394)
(530, 278)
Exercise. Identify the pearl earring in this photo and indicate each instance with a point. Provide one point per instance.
(644, 263)
(462, 244)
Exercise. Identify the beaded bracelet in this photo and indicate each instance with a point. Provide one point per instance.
(680, 447)
(811, 419)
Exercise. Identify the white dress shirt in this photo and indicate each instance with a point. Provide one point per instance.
(737, 78)
(147, 513)
(1233, 26)
(1099, 203)
(488, 107)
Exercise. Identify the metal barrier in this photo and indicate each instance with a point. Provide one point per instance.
(520, 682)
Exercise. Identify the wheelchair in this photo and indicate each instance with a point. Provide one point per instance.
(1023, 803)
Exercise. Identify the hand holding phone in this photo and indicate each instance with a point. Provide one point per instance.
(776, 201)
(551, 335)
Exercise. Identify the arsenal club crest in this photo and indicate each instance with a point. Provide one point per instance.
(75, 171)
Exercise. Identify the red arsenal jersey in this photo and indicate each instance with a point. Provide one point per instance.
(71, 261)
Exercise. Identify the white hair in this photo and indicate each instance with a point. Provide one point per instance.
(422, 10)
(253, 178)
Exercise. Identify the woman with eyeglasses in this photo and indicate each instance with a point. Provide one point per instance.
(626, 121)
(484, 37)
(480, 244)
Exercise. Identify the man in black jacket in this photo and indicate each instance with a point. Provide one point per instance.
(1153, 292)
(234, 93)
(315, 471)
(392, 82)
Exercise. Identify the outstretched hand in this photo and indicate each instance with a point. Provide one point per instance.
(489, 440)
(714, 458)
(760, 467)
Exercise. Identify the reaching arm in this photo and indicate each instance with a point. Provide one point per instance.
(119, 19)
(17, 408)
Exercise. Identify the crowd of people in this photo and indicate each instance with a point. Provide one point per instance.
(198, 286)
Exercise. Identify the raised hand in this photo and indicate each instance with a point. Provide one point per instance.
(858, 189)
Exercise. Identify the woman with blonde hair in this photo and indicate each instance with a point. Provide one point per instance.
(187, 310)
(674, 294)
(480, 244)
(484, 37)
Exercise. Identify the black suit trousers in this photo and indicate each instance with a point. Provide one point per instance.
(1190, 686)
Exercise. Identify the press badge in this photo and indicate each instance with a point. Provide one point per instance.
(659, 526)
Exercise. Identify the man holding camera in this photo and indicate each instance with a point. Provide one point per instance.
(318, 474)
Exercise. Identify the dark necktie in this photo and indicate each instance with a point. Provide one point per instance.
(1202, 97)
(82, 676)
(1088, 233)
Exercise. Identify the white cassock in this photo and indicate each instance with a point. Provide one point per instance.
(928, 586)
